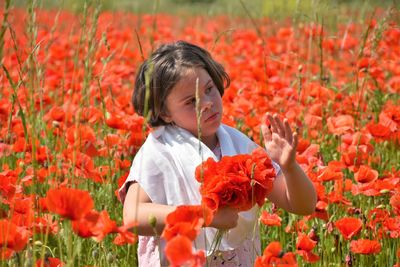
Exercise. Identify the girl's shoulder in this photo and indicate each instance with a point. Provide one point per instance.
(235, 132)
(154, 145)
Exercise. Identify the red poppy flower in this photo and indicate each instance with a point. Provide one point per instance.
(68, 202)
(91, 114)
(274, 256)
(270, 219)
(124, 236)
(13, 236)
(239, 181)
(308, 256)
(55, 113)
(112, 139)
(376, 187)
(8, 184)
(348, 226)
(321, 210)
(6, 253)
(365, 174)
(390, 116)
(94, 224)
(5, 150)
(45, 224)
(179, 252)
(304, 246)
(187, 221)
(49, 262)
(340, 124)
(395, 203)
(378, 130)
(116, 121)
(365, 246)
(391, 226)
(80, 135)
(377, 216)
(332, 172)
(305, 243)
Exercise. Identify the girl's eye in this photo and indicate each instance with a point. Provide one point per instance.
(192, 101)
(209, 89)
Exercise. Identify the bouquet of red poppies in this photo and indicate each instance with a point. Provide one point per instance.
(238, 181)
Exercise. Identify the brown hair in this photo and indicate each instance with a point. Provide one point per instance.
(163, 70)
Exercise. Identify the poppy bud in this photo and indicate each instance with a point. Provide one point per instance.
(313, 235)
(55, 124)
(381, 206)
(152, 221)
(110, 257)
(38, 243)
(300, 68)
(95, 253)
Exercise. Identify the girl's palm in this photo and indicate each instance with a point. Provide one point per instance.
(280, 142)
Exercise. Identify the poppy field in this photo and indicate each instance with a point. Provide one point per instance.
(68, 131)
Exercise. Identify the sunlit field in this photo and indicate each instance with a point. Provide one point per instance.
(68, 131)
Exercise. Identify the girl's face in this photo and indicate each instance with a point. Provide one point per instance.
(181, 105)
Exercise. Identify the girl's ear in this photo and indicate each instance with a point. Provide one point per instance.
(166, 117)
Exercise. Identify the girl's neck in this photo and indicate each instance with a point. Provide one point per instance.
(210, 141)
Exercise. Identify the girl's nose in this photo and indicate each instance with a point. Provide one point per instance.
(206, 105)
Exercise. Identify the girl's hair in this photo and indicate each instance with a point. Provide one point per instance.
(163, 70)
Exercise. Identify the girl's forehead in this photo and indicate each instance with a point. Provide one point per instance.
(190, 78)
(192, 74)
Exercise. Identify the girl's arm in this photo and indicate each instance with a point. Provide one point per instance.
(293, 190)
(139, 211)
(299, 193)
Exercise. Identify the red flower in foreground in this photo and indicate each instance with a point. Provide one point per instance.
(124, 236)
(274, 256)
(348, 227)
(304, 246)
(68, 202)
(187, 221)
(305, 243)
(238, 182)
(179, 252)
(365, 246)
(94, 224)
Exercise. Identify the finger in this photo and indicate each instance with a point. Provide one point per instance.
(288, 132)
(281, 128)
(266, 133)
(295, 140)
(265, 120)
(274, 127)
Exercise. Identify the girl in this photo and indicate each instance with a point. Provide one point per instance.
(162, 173)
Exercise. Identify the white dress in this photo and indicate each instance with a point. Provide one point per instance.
(164, 167)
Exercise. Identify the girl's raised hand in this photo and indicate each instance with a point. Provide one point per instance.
(280, 142)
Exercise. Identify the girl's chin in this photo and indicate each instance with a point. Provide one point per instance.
(210, 131)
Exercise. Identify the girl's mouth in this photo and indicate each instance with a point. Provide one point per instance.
(212, 117)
